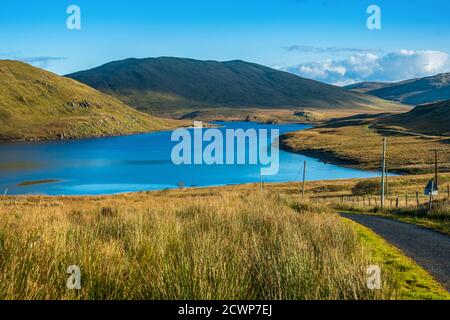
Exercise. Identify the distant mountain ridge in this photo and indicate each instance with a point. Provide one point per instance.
(155, 84)
(413, 92)
(37, 104)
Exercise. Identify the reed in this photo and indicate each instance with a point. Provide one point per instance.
(152, 246)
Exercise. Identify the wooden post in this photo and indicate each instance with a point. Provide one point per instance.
(431, 195)
(383, 173)
(406, 199)
(304, 178)
(396, 203)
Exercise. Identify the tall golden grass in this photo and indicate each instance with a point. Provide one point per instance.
(232, 246)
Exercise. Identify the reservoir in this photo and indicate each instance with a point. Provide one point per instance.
(140, 162)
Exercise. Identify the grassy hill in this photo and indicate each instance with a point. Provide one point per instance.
(365, 87)
(433, 119)
(356, 141)
(36, 104)
(164, 84)
(413, 92)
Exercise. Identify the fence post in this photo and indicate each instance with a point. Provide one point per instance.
(431, 195)
(396, 203)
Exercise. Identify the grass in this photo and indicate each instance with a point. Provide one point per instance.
(190, 244)
(437, 219)
(39, 105)
(359, 145)
(332, 192)
(260, 115)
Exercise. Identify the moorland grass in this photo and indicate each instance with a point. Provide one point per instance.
(147, 247)
(360, 146)
(199, 244)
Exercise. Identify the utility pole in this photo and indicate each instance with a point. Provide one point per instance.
(383, 173)
(304, 178)
(387, 180)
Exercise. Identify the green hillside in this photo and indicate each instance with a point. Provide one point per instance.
(161, 84)
(36, 104)
(427, 119)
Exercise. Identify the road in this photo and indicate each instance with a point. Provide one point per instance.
(428, 248)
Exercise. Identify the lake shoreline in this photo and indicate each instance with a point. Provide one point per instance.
(142, 162)
(330, 157)
(206, 124)
(88, 137)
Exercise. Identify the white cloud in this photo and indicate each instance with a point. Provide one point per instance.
(395, 66)
(333, 50)
(38, 61)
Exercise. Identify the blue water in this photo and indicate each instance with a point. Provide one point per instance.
(140, 162)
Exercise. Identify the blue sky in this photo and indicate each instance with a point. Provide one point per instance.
(322, 39)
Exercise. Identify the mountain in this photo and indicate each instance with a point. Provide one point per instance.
(36, 104)
(365, 87)
(413, 92)
(432, 119)
(160, 84)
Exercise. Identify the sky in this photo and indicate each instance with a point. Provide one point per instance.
(326, 40)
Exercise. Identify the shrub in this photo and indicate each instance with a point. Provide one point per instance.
(366, 187)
